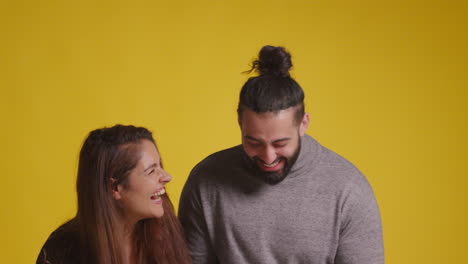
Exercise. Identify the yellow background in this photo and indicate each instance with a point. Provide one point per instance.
(385, 82)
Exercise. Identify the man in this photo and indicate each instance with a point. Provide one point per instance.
(280, 197)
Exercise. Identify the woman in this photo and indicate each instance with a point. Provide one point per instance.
(124, 214)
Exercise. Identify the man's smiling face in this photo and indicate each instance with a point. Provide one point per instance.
(272, 141)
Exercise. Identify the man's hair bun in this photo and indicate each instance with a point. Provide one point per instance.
(274, 61)
(274, 89)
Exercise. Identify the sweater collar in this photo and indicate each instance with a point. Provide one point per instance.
(307, 156)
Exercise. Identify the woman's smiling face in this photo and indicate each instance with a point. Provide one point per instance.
(140, 196)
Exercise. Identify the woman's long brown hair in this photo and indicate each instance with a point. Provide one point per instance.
(107, 157)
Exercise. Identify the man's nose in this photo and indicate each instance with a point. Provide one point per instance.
(268, 155)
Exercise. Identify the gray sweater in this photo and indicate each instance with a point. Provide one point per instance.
(323, 212)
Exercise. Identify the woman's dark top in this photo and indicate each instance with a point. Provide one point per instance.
(62, 246)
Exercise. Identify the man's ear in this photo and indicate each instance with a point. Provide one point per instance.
(116, 190)
(304, 124)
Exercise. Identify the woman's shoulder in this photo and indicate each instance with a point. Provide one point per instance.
(62, 246)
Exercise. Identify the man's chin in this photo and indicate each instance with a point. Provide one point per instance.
(272, 177)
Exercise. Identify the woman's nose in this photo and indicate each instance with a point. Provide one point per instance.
(165, 177)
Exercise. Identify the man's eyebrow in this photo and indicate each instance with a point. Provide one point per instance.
(281, 140)
(252, 138)
(154, 165)
(274, 141)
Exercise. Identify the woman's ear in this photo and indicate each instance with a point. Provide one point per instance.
(116, 189)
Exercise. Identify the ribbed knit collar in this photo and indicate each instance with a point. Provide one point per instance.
(307, 157)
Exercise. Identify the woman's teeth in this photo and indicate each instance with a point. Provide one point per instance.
(157, 195)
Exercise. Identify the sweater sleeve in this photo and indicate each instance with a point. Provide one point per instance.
(193, 220)
(62, 246)
(360, 239)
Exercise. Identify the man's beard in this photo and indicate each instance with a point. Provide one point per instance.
(274, 177)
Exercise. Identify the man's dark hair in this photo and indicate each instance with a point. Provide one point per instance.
(273, 89)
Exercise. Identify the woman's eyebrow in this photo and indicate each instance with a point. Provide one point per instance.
(154, 165)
